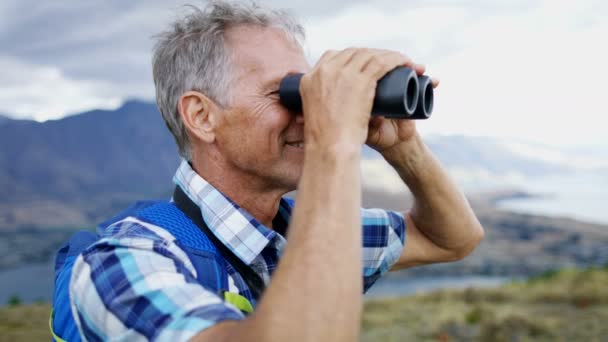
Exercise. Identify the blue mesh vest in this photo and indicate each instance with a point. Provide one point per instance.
(209, 263)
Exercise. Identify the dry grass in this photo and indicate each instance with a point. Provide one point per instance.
(564, 306)
(25, 323)
(569, 305)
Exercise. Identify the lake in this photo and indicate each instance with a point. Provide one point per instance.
(581, 196)
(401, 286)
(35, 282)
(29, 282)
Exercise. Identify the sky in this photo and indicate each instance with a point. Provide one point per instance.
(527, 70)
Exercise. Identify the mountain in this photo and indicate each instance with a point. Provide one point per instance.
(79, 169)
(4, 119)
(98, 159)
(482, 164)
(493, 155)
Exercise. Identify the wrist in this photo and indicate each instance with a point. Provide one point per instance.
(413, 161)
(332, 154)
(404, 152)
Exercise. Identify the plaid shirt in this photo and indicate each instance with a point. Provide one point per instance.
(136, 283)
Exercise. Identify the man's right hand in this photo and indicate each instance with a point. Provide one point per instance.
(338, 94)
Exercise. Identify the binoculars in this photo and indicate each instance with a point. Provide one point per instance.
(400, 94)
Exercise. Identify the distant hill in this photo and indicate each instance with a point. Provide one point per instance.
(3, 119)
(77, 171)
(87, 160)
(492, 155)
(81, 168)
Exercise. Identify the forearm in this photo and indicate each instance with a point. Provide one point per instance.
(321, 269)
(315, 293)
(441, 211)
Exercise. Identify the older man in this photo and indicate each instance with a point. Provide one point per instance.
(217, 73)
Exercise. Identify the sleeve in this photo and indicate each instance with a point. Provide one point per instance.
(141, 286)
(383, 241)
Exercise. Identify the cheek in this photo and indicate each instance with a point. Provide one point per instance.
(269, 120)
(254, 134)
(231, 133)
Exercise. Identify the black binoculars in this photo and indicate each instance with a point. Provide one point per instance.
(400, 94)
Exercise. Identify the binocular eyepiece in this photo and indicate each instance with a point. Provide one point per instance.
(400, 94)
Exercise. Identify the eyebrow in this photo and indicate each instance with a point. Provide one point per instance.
(272, 84)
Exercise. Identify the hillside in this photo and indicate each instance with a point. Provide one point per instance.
(83, 167)
(72, 173)
(80, 169)
(569, 305)
(514, 243)
(492, 156)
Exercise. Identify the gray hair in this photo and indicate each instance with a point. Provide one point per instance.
(192, 55)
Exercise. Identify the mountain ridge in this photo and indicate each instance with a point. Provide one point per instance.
(87, 165)
(99, 151)
(72, 173)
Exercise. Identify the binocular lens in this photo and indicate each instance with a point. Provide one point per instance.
(425, 98)
(411, 94)
(397, 94)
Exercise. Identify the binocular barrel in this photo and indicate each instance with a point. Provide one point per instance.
(400, 94)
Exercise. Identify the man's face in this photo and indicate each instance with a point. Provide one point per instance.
(257, 135)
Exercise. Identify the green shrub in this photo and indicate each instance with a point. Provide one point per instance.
(14, 300)
(474, 315)
(515, 328)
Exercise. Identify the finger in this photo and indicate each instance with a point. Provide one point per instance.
(345, 56)
(420, 68)
(327, 55)
(376, 122)
(364, 56)
(381, 64)
(435, 82)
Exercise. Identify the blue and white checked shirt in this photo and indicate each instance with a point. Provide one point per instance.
(136, 283)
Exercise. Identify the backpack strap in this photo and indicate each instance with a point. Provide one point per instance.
(252, 279)
(64, 261)
(55, 337)
(209, 263)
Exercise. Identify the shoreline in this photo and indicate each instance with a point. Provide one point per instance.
(399, 287)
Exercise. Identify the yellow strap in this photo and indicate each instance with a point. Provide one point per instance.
(239, 301)
(55, 337)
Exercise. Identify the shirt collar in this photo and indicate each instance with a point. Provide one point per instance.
(245, 236)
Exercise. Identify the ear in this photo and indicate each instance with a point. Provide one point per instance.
(198, 114)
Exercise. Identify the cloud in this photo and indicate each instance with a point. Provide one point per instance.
(42, 92)
(64, 57)
(60, 58)
(529, 71)
(535, 75)
(513, 69)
